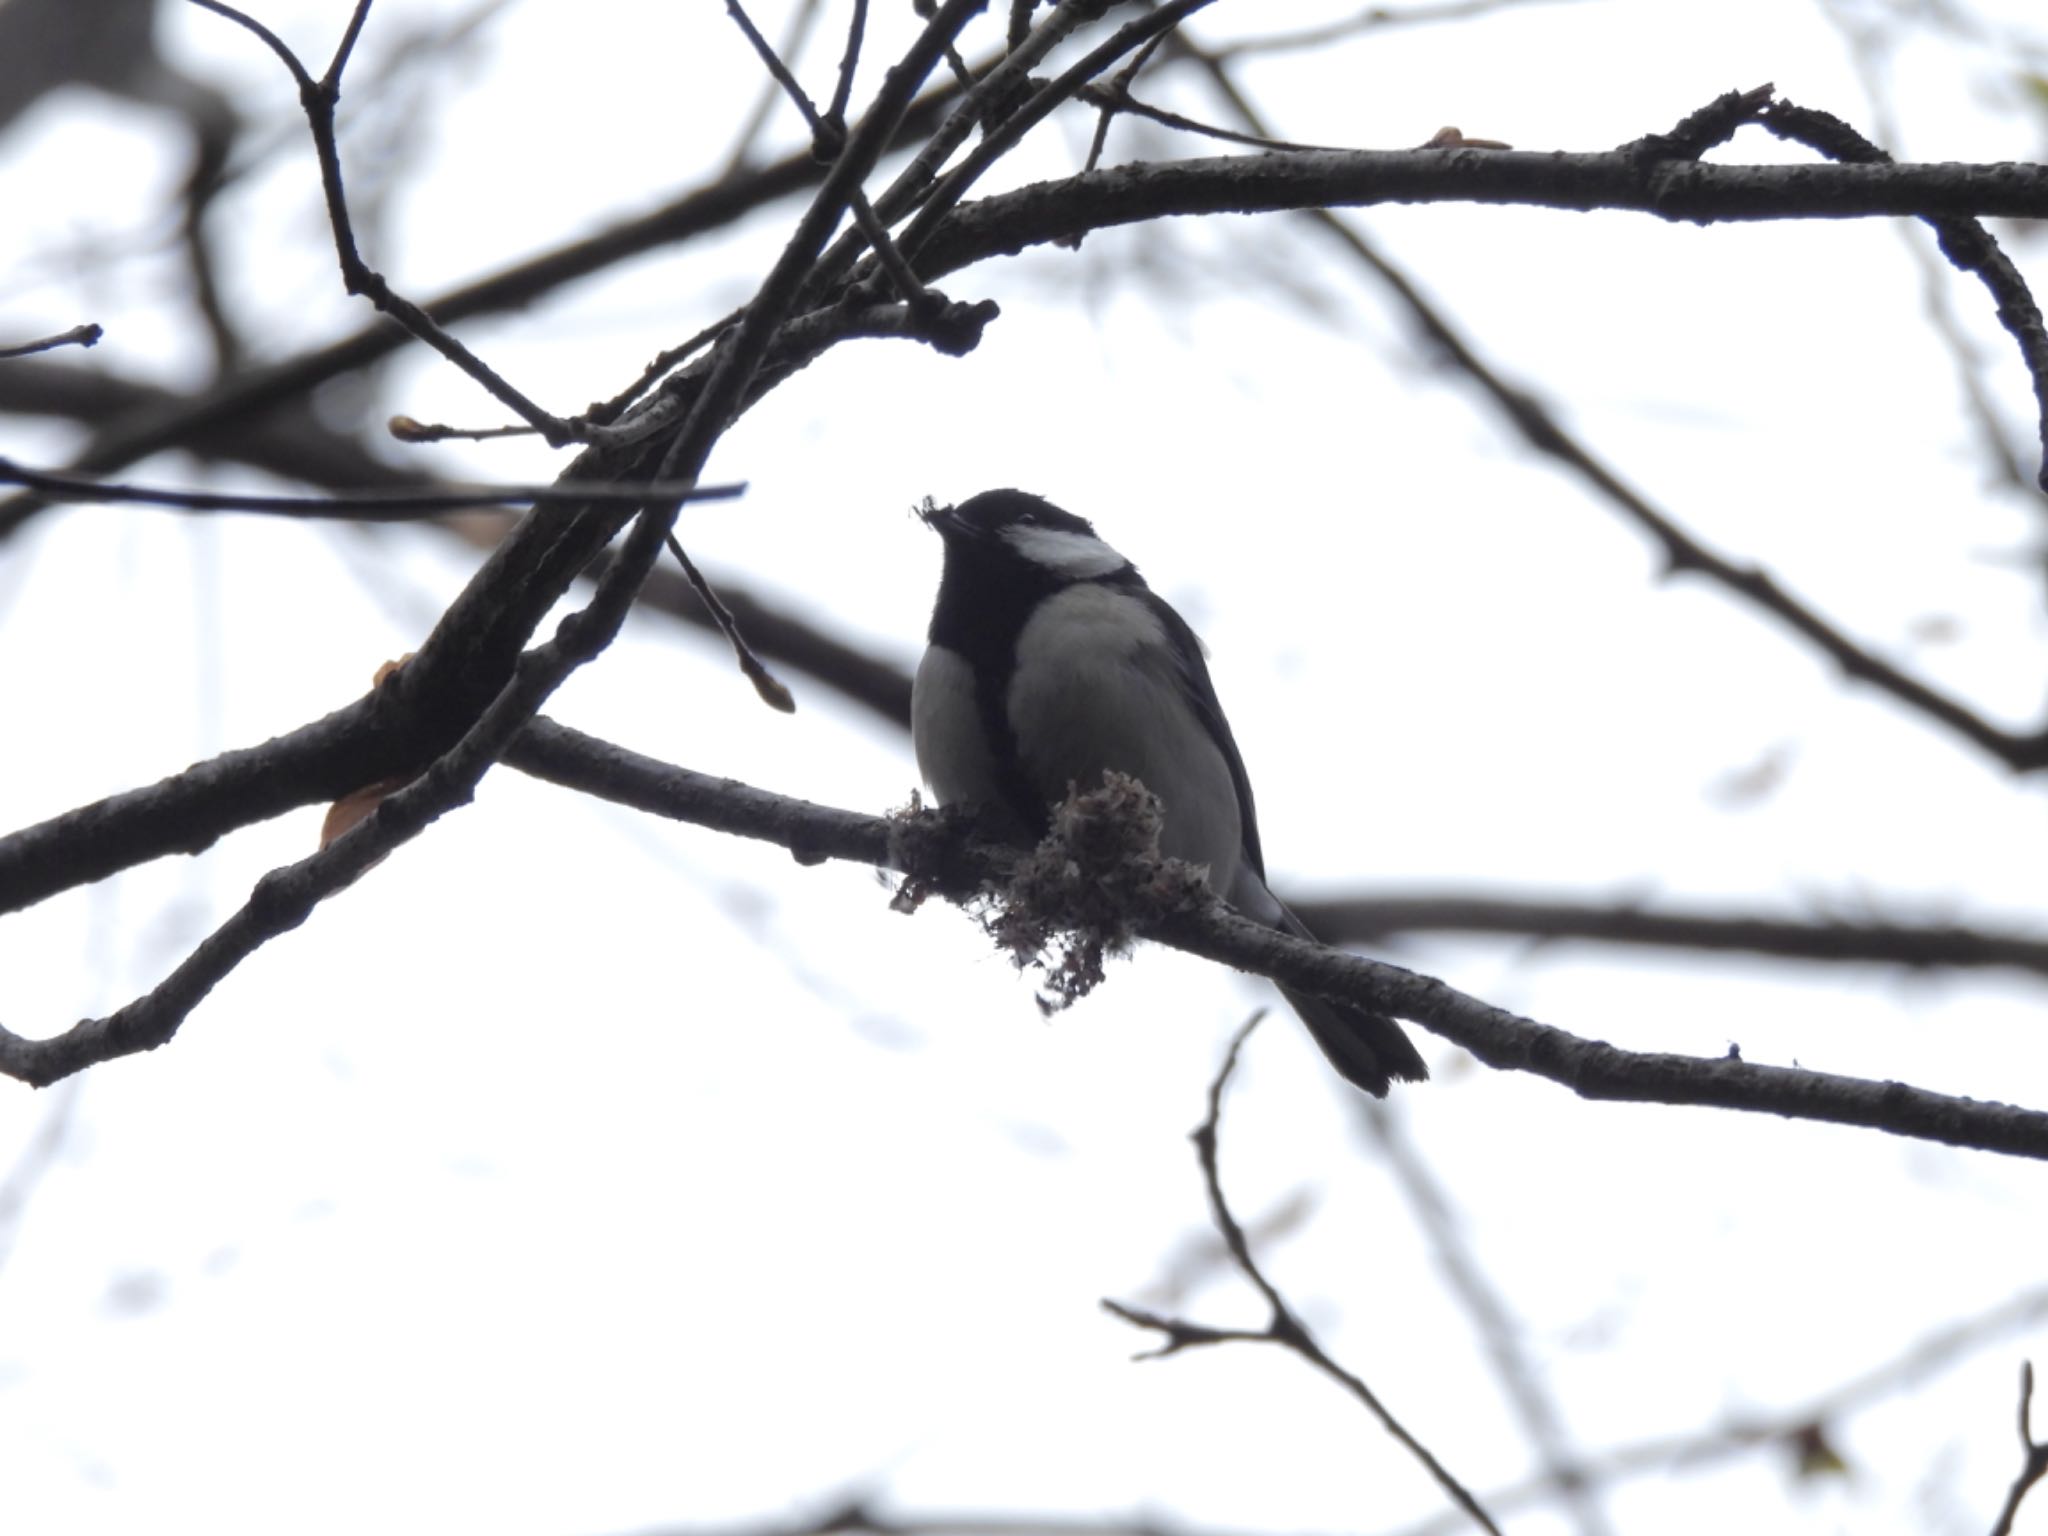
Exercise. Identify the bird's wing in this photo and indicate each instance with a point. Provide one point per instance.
(1193, 675)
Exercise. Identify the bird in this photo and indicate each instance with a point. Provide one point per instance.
(1050, 662)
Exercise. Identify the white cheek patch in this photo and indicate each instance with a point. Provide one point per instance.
(1077, 556)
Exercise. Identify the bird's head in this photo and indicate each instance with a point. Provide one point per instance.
(1023, 532)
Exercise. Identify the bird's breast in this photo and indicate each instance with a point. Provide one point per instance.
(1097, 685)
(954, 755)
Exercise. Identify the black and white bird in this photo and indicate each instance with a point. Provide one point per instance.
(1051, 661)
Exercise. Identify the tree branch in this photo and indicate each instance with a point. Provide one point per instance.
(2033, 1460)
(318, 99)
(239, 404)
(284, 898)
(1592, 1069)
(1736, 1437)
(86, 335)
(374, 504)
(1540, 428)
(1376, 918)
(1283, 1325)
(1050, 212)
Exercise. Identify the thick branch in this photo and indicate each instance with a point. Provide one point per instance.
(1590, 1068)
(285, 897)
(1680, 190)
(1061, 210)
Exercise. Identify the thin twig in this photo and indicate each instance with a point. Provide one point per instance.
(1118, 91)
(2034, 1460)
(363, 505)
(1113, 99)
(1541, 429)
(277, 45)
(849, 62)
(828, 137)
(1684, 1452)
(794, 35)
(605, 412)
(318, 99)
(820, 149)
(741, 351)
(78, 336)
(1283, 1326)
(977, 103)
(998, 140)
(766, 684)
(409, 429)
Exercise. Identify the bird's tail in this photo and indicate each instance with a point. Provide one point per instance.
(1367, 1049)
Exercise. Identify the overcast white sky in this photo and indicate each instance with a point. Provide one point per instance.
(579, 1173)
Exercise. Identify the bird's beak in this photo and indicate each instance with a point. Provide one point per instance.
(943, 521)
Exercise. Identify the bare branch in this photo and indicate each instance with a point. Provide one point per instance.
(78, 336)
(1059, 211)
(1705, 192)
(277, 45)
(2022, 751)
(999, 139)
(1283, 1327)
(1738, 1437)
(483, 613)
(766, 684)
(456, 672)
(2034, 1461)
(240, 403)
(989, 100)
(1590, 1068)
(849, 61)
(318, 98)
(1865, 42)
(1966, 243)
(824, 144)
(284, 898)
(283, 445)
(1375, 918)
(1115, 98)
(377, 505)
(1745, 1434)
(828, 138)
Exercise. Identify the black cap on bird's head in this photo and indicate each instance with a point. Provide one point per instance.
(992, 512)
(1015, 526)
